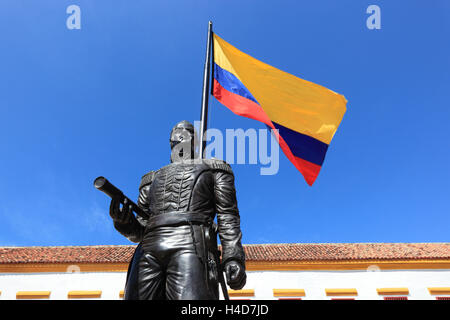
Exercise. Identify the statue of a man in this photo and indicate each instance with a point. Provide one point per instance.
(177, 256)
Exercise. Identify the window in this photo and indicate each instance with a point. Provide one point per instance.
(289, 294)
(395, 298)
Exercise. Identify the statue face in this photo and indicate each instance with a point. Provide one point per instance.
(182, 139)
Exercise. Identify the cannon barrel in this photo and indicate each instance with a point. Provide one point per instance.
(102, 184)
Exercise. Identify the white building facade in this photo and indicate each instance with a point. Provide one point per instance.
(274, 271)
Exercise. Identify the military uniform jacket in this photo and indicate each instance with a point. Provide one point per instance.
(204, 188)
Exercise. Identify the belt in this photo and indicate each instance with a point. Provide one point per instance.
(177, 218)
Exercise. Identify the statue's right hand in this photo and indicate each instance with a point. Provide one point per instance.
(118, 214)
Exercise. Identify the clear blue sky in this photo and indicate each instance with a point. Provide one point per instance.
(76, 104)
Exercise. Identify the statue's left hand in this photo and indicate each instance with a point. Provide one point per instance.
(236, 276)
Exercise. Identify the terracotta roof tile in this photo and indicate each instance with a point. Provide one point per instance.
(348, 251)
(254, 252)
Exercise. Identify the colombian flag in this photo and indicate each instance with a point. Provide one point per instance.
(305, 114)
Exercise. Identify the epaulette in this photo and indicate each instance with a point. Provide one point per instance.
(217, 164)
(147, 179)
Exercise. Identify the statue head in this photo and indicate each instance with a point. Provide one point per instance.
(182, 141)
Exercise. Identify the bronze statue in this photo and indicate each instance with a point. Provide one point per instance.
(177, 256)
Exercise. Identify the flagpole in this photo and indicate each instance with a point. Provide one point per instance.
(205, 94)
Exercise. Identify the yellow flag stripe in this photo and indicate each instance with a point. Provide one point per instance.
(294, 103)
(220, 58)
